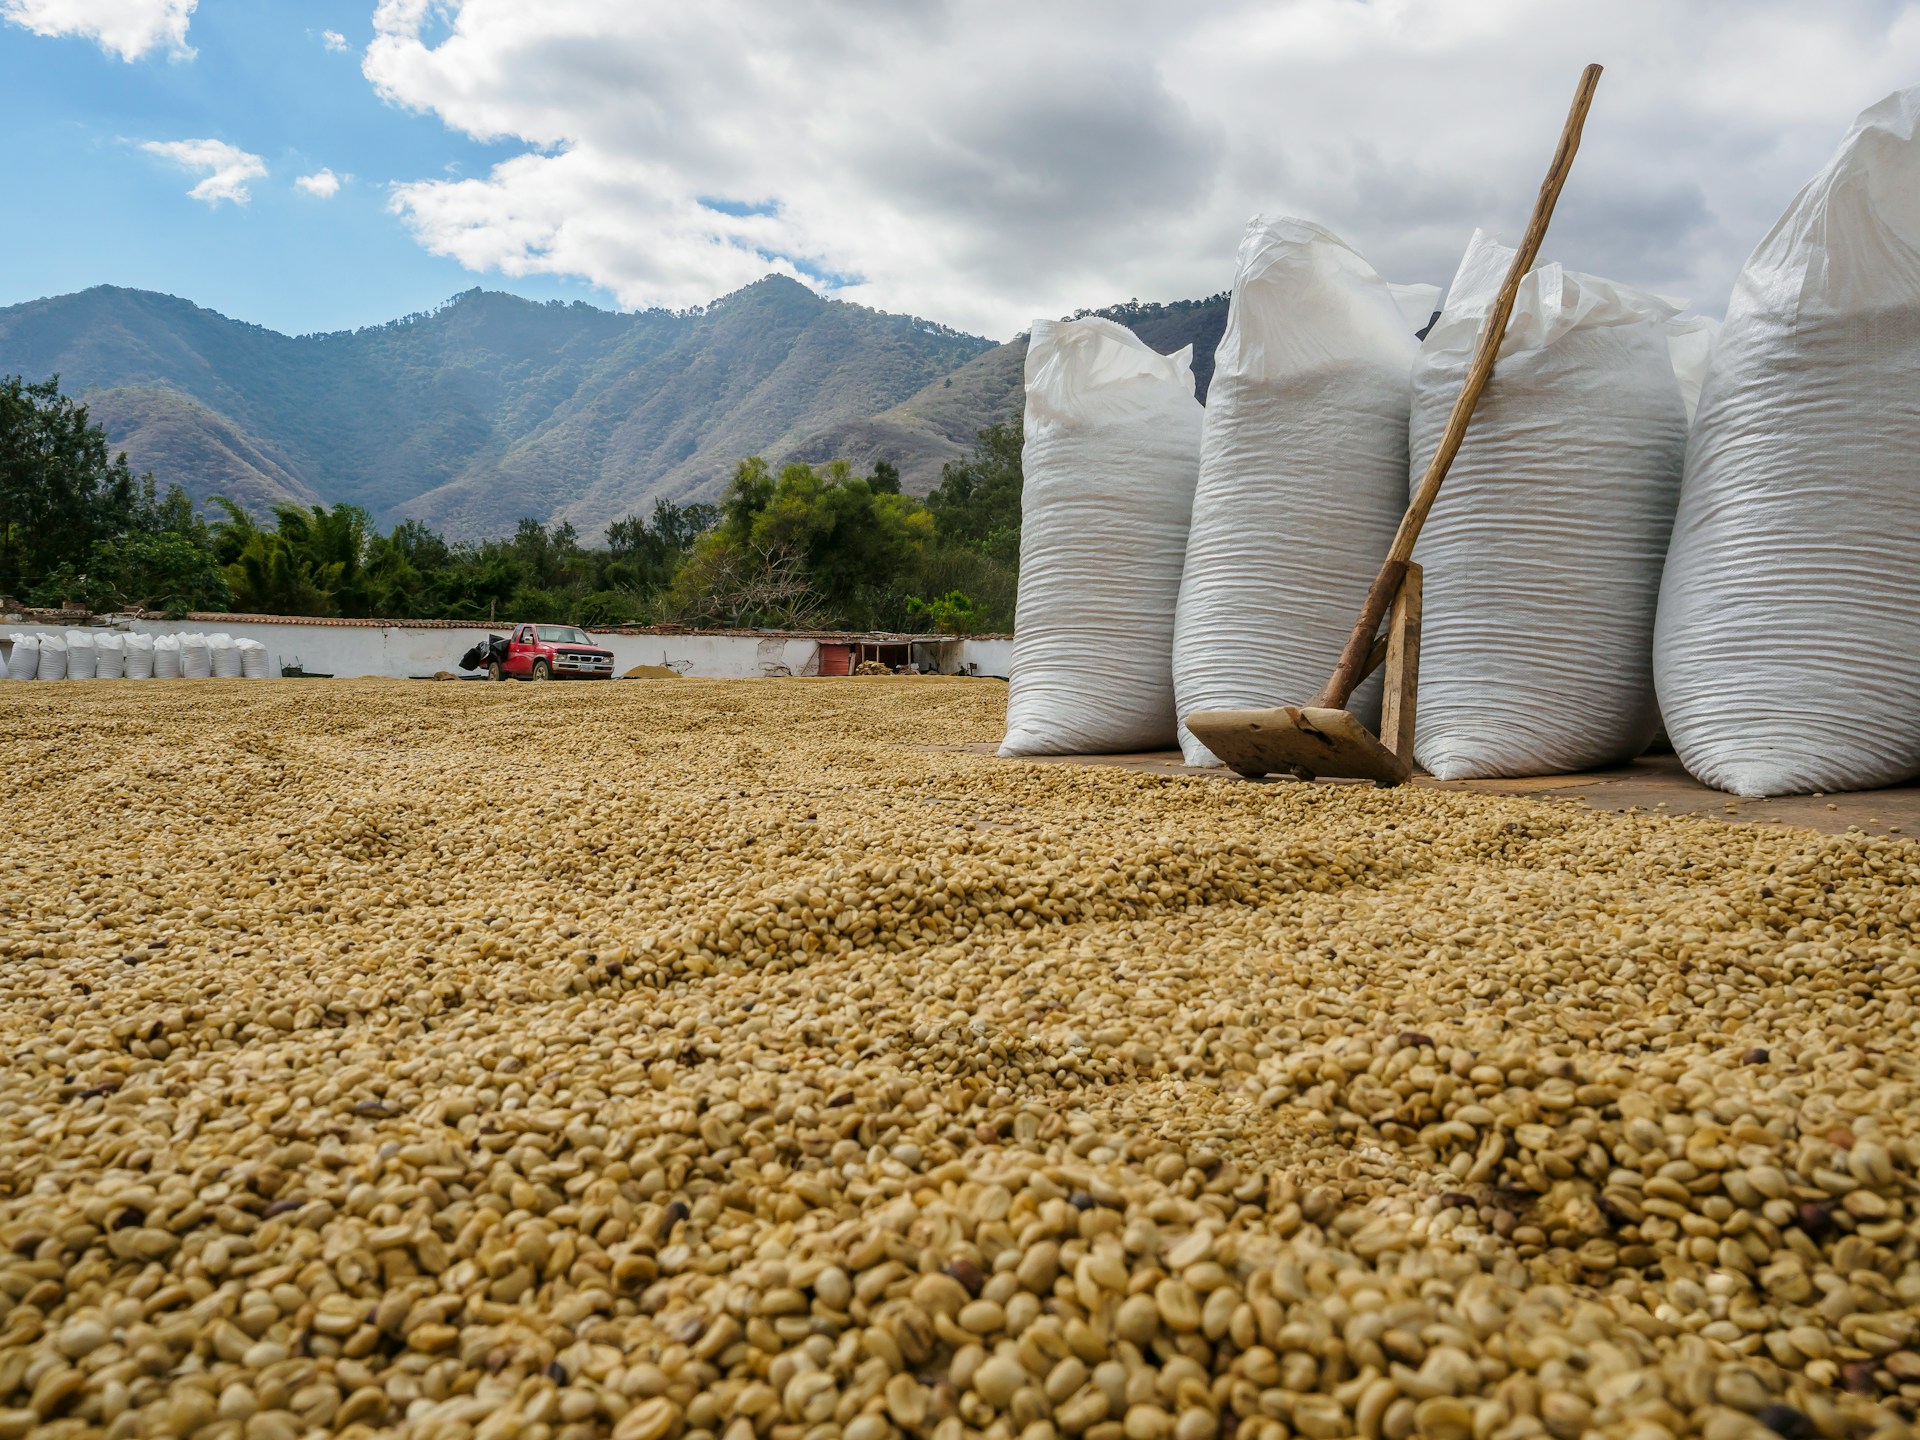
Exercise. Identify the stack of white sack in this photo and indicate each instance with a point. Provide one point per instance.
(1112, 452)
(1542, 556)
(24, 662)
(224, 657)
(1303, 473)
(1787, 652)
(196, 660)
(80, 651)
(53, 658)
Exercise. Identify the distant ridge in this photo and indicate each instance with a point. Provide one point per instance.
(490, 408)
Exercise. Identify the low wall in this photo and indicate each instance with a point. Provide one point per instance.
(992, 655)
(403, 651)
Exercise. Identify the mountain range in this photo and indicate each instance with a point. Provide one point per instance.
(491, 408)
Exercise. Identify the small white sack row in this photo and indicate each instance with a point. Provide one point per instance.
(110, 655)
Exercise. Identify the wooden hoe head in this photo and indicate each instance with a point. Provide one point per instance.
(1322, 737)
(1305, 741)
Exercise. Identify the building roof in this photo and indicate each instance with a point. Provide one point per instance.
(835, 637)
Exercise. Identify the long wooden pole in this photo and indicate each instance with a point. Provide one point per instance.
(1351, 669)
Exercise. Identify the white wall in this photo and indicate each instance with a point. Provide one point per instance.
(401, 651)
(992, 656)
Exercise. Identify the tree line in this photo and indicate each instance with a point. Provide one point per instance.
(797, 547)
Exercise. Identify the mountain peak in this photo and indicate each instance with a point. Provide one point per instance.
(770, 290)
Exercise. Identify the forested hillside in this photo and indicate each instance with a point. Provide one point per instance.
(494, 409)
(487, 410)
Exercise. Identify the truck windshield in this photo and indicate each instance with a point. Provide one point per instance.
(561, 635)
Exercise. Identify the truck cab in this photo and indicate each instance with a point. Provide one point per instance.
(552, 652)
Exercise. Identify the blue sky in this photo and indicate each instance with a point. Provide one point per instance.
(976, 162)
(87, 206)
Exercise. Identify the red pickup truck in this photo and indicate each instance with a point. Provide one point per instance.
(550, 652)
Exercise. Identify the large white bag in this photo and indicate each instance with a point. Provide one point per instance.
(80, 655)
(1788, 647)
(109, 655)
(1542, 555)
(225, 659)
(1112, 452)
(166, 657)
(253, 659)
(196, 661)
(140, 657)
(24, 663)
(1690, 344)
(53, 658)
(1303, 476)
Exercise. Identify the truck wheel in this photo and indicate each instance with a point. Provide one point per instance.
(494, 672)
(542, 670)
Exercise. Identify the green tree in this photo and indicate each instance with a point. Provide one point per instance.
(976, 507)
(977, 501)
(853, 544)
(61, 492)
(164, 560)
(953, 613)
(313, 562)
(645, 554)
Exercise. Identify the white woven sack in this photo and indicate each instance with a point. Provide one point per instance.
(139, 657)
(224, 657)
(196, 661)
(1542, 555)
(166, 657)
(53, 658)
(1112, 452)
(1788, 647)
(253, 659)
(80, 655)
(1303, 475)
(3, 668)
(1418, 306)
(110, 655)
(24, 662)
(1690, 344)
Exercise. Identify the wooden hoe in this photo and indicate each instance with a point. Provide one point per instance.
(1322, 737)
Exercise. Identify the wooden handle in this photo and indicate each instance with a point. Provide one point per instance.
(1351, 669)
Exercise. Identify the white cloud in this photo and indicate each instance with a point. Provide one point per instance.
(127, 28)
(983, 162)
(323, 183)
(228, 167)
(334, 41)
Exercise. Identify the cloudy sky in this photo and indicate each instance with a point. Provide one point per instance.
(324, 164)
